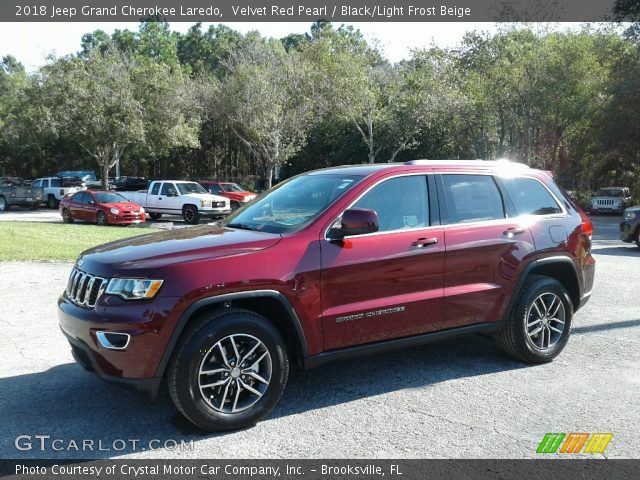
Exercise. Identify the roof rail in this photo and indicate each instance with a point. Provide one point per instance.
(477, 162)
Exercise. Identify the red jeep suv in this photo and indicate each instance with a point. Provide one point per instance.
(330, 265)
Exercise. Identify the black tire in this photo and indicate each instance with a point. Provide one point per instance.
(101, 219)
(197, 348)
(52, 202)
(155, 216)
(234, 206)
(637, 237)
(66, 216)
(515, 340)
(4, 206)
(190, 214)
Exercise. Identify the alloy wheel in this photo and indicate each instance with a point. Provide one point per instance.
(3, 204)
(235, 373)
(545, 321)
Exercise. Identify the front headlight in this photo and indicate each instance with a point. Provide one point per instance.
(133, 288)
(205, 203)
(629, 214)
(115, 211)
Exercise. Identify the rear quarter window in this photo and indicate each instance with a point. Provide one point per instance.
(530, 197)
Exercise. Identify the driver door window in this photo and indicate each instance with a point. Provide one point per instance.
(400, 203)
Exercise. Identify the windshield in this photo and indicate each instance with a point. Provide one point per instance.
(81, 174)
(232, 187)
(609, 192)
(185, 188)
(109, 198)
(292, 204)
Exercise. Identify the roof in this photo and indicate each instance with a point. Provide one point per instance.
(368, 169)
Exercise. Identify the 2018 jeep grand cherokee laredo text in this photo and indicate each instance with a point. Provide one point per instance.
(328, 265)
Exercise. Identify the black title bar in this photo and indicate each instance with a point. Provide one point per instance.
(310, 10)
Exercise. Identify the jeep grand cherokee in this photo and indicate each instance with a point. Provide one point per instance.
(330, 265)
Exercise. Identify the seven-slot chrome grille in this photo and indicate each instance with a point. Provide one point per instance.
(84, 289)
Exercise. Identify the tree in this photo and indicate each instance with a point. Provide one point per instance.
(108, 103)
(266, 98)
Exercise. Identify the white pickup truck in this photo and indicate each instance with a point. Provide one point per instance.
(177, 197)
(56, 188)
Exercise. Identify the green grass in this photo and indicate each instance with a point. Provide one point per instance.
(56, 241)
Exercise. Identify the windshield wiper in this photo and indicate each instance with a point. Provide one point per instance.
(242, 226)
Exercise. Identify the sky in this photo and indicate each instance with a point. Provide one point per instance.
(31, 43)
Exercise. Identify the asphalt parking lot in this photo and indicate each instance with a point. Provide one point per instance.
(460, 399)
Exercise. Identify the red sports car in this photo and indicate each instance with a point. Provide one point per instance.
(234, 192)
(101, 207)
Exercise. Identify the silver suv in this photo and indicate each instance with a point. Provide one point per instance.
(611, 199)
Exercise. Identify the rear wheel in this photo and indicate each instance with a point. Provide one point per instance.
(3, 204)
(229, 370)
(155, 216)
(52, 202)
(234, 205)
(539, 326)
(66, 216)
(637, 237)
(101, 219)
(190, 214)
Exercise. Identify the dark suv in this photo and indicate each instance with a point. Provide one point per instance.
(326, 266)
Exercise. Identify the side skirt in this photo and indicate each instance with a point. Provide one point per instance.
(397, 344)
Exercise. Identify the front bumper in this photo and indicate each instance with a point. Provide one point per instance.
(214, 212)
(607, 208)
(627, 230)
(137, 365)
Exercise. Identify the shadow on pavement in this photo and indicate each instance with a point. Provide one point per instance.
(625, 250)
(68, 403)
(605, 326)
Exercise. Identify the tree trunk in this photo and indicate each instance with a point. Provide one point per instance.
(105, 173)
(268, 175)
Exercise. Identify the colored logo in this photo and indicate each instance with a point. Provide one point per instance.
(574, 442)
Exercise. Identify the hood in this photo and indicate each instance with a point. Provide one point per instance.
(157, 250)
(240, 195)
(122, 206)
(635, 208)
(206, 196)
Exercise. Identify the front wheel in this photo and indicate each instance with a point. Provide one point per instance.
(101, 219)
(52, 202)
(229, 370)
(190, 214)
(66, 216)
(3, 204)
(539, 326)
(637, 237)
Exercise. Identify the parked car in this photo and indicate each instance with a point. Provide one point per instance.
(129, 184)
(237, 195)
(87, 177)
(102, 207)
(630, 226)
(177, 197)
(331, 265)
(55, 188)
(611, 199)
(14, 192)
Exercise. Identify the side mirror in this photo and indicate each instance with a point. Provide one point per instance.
(356, 221)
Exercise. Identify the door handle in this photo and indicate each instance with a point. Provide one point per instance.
(424, 242)
(512, 232)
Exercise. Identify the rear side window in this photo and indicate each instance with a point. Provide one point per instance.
(472, 198)
(56, 182)
(400, 203)
(530, 197)
(155, 189)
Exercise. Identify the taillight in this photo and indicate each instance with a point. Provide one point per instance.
(587, 226)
